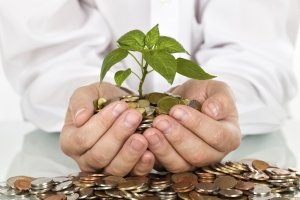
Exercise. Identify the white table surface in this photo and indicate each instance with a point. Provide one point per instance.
(12, 133)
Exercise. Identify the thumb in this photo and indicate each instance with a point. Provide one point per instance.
(81, 107)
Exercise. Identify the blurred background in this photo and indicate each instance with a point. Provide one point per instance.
(10, 117)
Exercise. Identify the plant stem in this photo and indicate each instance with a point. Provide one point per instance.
(144, 73)
(136, 60)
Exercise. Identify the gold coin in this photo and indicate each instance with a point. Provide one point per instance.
(142, 103)
(166, 103)
(132, 104)
(155, 97)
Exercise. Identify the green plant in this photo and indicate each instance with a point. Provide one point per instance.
(156, 52)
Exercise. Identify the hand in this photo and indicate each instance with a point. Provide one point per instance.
(187, 138)
(104, 141)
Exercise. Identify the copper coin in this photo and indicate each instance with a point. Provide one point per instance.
(183, 187)
(195, 196)
(242, 185)
(260, 165)
(85, 192)
(11, 181)
(185, 177)
(225, 182)
(195, 104)
(206, 188)
(22, 184)
(57, 197)
(129, 185)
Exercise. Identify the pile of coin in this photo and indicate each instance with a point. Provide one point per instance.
(150, 105)
(245, 179)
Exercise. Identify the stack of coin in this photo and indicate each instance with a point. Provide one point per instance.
(246, 179)
(150, 105)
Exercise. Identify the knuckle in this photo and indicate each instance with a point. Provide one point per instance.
(177, 138)
(97, 160)
(236, 142)
(100, 124)
(116, 171)
(196, 122)
(219, 137)
(82, 141)
(198, 158)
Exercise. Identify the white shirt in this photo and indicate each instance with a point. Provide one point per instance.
(49, 48)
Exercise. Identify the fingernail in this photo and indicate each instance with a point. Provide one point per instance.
(180, 114)
(153, 140)
(137, 145)
(163, 125)
(214, 109)
(118, 109)
(131, 119)
(78, 112)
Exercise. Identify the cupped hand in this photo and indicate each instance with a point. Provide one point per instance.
(187, 138)
(107, 140)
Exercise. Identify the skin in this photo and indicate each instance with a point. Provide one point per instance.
(186, 136)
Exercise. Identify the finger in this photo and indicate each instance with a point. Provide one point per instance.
(220, 102)
(188, 145)
(81, 105)
(220, 135)
(144, 165)
(164, 152)
(76, 141)
(102, 153)
(128, 156)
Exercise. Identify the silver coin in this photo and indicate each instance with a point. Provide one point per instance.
(61, 179)
(62, 186)
(42, 182)
(73, 196)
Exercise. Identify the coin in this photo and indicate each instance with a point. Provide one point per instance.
(232, 193)
(260, 165)
(195, 104)
(225, 182)
(154, 97)
(22, 184)
(166, 103)
(185, 177)
(11, 181)
(242, 185)
(143, 103)
(206, 188)
(271, 183)
(57, 197)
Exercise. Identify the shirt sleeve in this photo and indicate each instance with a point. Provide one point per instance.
(247, 45)
(50, 48)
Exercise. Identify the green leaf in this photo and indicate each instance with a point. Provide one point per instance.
(162, 62)
(170, 45)
(152, 37)
(121, 75)
(111, 59)
(192, 70)
(133, 41)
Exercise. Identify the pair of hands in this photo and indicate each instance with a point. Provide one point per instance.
(180, 141)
